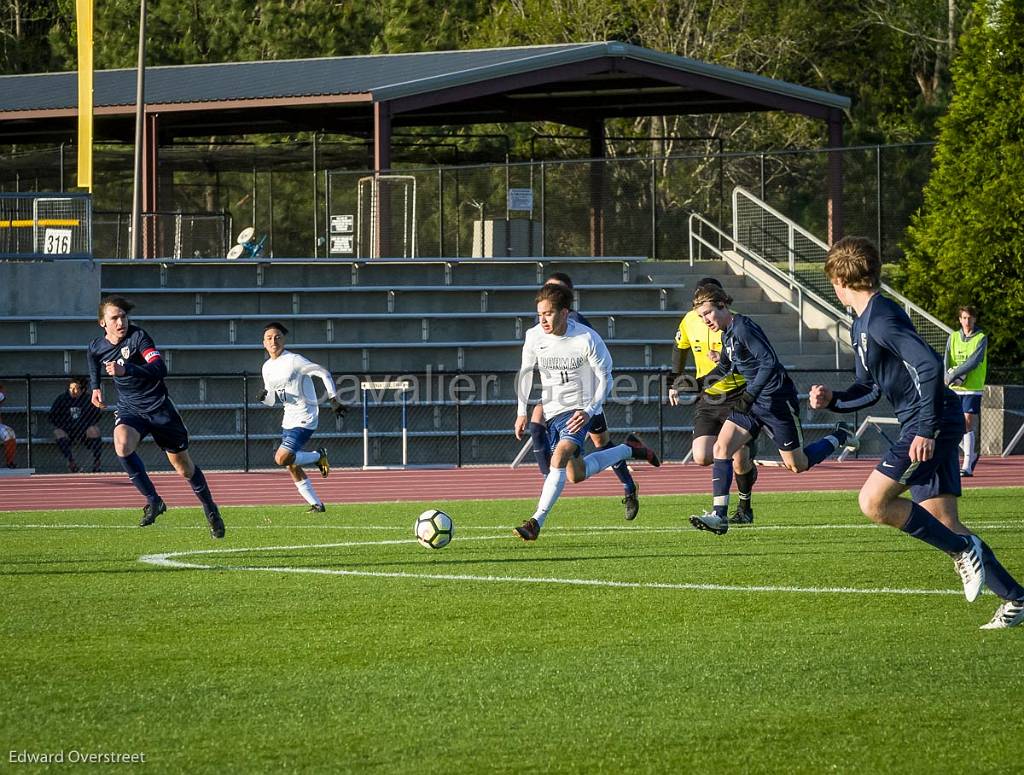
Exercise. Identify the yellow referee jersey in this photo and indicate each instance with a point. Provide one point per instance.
(694, 335)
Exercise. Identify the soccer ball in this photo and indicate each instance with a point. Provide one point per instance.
(434, 529)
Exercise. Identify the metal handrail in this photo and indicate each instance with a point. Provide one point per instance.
(795, 228)
(843, 321)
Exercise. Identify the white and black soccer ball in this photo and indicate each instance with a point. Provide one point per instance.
(434, 529)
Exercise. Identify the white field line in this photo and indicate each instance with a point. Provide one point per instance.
(166, 560)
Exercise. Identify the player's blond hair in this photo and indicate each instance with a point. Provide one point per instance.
(855, 263)
(713, 293)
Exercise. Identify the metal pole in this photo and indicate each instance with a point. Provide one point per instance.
(140, 110)
(458, 432)
(316, 229)
(878, 195)
(28, 417)
(405, 429)
(245, 421)
(654, 208)
(440, 212)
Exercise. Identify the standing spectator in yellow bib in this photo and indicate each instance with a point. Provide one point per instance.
(966, 361)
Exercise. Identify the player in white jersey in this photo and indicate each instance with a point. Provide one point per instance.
(287, 379)
(575, 374)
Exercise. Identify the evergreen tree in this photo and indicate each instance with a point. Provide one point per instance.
(967, 243)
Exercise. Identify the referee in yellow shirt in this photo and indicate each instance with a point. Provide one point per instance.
(714, 402)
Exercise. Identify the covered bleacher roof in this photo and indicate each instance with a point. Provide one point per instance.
(572, 84)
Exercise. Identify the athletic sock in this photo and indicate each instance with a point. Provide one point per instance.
(924, 527)
(96, 446)
(306, 458)
(621, 470)
(721, 481)
(202, 490)
(136, 470)
(997, 578)
(969, 457)
(64, 445)
(822, 448)
(305, 488)
(541, 450)
(554, 483)
(606, 458)
(745, 487)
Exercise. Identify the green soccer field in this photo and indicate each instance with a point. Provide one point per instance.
(809, 642)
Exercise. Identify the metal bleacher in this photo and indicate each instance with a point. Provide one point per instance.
(384, 317)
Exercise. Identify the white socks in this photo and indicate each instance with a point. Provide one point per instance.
(554, 483)
(306, 458)
(305, 488)
(606, 458)
(970, 458)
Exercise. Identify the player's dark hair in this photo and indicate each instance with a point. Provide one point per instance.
(560, 277)
(274, 324)
(970, 309)
(559, 296)
(713, 293)
(82, 382)
(856, 263)
(708, 281)
(114, 301)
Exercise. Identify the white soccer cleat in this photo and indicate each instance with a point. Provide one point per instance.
(971, 568)
(711, 522)
(1009, 614)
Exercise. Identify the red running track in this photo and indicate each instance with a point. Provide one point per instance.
(71, 491)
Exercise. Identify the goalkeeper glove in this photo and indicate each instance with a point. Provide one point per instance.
(744, 402)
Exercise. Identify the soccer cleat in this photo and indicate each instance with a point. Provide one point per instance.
(711, 522)
(97, 467)
(1009, 614)
(216, 523)
(323, 463)
(632, 504)
(966, 472)
(852, 440)
(73, 466)
(742, 515)
(151, 511)
(971, 568)
(316, 508)
(529, 530)
(641, 451)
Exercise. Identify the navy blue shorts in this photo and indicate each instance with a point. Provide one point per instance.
(938, 476)
(778, 415)
(294, 439)
(557, 431)
(165, 425)
(970, 404)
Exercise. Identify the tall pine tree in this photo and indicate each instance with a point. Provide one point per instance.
(966, 245)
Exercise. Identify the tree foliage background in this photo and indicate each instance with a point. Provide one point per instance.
(967, 244)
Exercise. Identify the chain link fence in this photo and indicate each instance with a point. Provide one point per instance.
(452, 419)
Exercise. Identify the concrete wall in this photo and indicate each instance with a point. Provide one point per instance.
(67, 287)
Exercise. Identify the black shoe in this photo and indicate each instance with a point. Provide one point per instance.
(641, 451)
(151, 511)
(966, 472)
(529, 530)
(73, 466)
(632, 504)
(216, 523)
(316, 508)
(323, 463)
(742, 516)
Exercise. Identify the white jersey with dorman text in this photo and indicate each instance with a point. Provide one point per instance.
(288, 380)
(575, 370)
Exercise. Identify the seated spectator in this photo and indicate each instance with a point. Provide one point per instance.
(74, 418)
(7, 437)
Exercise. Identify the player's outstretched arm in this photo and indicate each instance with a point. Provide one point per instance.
(520, 427)
(819, 397)
(97, 399)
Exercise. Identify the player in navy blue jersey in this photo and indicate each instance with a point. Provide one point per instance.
(599, 435)
(768, 402)
(127, 353)
(893, 361)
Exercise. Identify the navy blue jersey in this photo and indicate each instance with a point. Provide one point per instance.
(73, 415)
(141, 389)
(746, 350)
(574, 315)
(893, 360)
